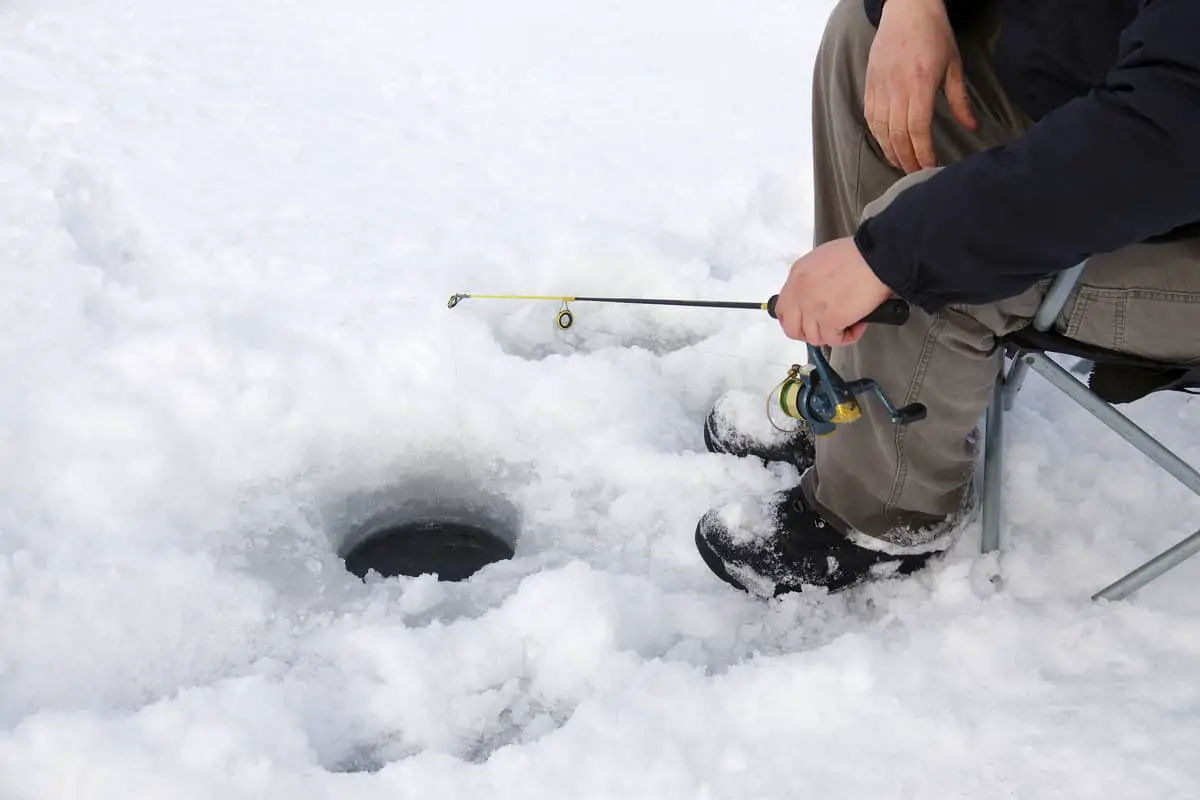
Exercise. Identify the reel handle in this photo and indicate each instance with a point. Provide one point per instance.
(891, 312)
(913, 412)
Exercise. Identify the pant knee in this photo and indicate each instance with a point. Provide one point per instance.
(848, 24)
(908, 181)
(845, 45)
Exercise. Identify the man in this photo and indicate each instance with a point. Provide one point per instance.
(965, 152)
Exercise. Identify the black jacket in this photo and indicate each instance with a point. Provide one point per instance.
(1113, 159)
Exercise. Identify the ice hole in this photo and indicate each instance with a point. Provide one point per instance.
(427, 526)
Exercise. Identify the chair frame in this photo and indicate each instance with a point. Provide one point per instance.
(1008, 384)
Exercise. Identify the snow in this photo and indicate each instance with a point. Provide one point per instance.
(229, 231)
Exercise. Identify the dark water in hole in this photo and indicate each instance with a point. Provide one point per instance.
(453, 550)
(424, 525)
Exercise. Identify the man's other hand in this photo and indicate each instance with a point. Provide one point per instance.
(913, 55)
(827, 294)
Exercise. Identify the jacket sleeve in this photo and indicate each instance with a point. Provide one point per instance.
(961, 12)
(1118, 166)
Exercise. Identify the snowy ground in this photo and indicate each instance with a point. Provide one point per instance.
(228, 232)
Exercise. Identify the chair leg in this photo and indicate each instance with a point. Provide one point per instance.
(1116, 421)
(1123, 587)
(993, 463)
(1152, 449)
(1013, 382)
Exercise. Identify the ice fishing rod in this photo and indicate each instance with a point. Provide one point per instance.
(892, 312)
(813, 392)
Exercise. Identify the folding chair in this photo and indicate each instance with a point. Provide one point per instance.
(1115, 378)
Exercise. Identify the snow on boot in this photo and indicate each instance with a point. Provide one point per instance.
(772, 545)
(738, 425)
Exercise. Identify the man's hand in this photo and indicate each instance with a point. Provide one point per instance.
(827, 294)
(914, 54)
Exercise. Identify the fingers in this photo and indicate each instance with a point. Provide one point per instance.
(810, 330)
(790, 321)
(898, 122)
(796, 326)
(853, 334)
(919, 127)
(899, 102)
(957, 96)
(900, 117)
(876, 114)
(838, 337)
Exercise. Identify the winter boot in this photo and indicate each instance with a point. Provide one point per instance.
(778, 544)
(738, 425)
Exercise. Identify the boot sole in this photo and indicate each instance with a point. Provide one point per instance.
(905, 566)
(714, 562)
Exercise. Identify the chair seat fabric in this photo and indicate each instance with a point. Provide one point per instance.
(1115, 377)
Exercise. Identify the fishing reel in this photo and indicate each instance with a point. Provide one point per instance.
(818, 395)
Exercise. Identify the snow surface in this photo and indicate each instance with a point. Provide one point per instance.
(228, 234)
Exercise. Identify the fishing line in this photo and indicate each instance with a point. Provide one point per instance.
(458, 416)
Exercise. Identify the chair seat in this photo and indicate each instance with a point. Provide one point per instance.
(1115, 377)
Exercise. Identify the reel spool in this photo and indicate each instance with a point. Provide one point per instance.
(800, 398)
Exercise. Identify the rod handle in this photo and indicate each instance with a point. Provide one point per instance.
(892, 312)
